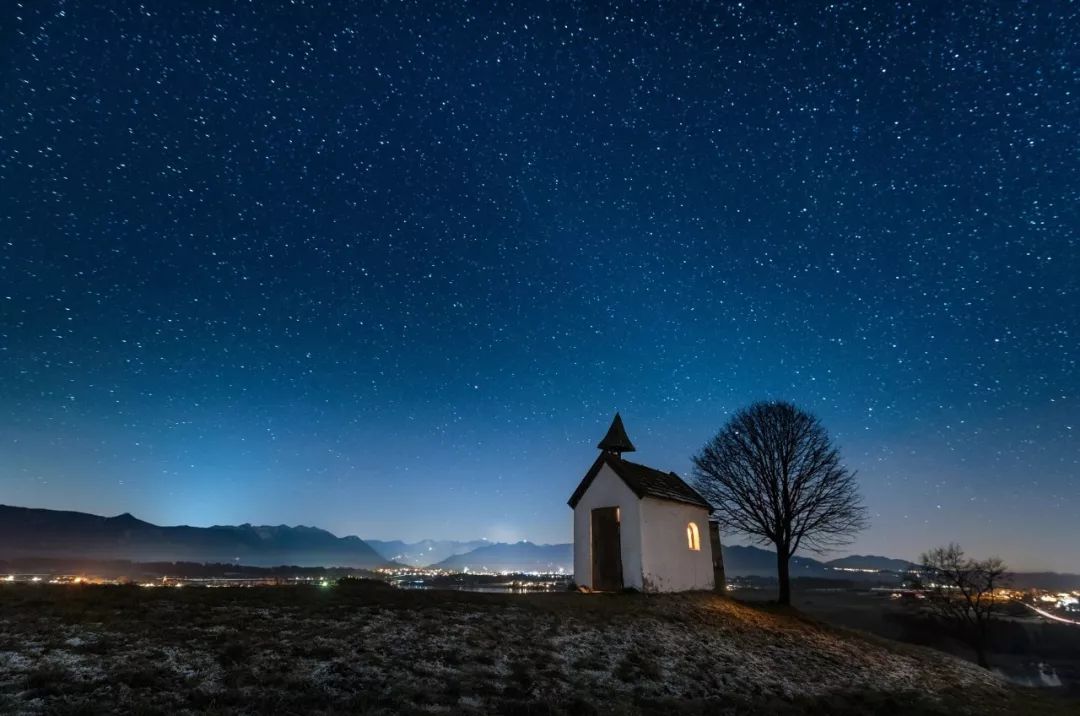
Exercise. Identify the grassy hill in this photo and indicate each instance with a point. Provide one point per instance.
(380, 650)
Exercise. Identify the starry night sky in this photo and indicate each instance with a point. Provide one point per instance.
(389, 269)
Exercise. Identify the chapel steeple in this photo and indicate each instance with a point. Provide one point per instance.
(616, 440)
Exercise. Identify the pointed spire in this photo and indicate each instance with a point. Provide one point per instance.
(616, 440)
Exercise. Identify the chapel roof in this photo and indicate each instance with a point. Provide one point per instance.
(642, 480)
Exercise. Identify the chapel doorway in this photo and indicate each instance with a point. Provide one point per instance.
(606, 550)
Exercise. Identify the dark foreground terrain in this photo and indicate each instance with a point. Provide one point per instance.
(374, 649)
(1023, 649)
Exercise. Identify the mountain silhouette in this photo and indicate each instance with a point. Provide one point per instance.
(513, 557)
(27, 532)
(424, 552)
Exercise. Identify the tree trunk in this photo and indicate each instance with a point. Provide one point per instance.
(782, 563)
(980, 651)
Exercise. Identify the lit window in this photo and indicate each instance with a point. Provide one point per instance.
(692, 538)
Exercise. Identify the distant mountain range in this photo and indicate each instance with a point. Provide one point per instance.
(35, 533)
(516, 557)
(740, 561)
(26, 532)
(860, 561)
(480, 556)
(425, 552)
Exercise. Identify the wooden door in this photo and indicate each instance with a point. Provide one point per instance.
(606, 550)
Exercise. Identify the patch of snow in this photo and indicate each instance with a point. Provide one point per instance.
(13, 661)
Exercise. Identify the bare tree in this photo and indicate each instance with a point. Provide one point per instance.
(960, 590)
(773, 474)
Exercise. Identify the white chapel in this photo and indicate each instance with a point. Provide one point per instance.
(636, 527)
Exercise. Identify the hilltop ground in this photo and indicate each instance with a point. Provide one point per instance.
(380, 650)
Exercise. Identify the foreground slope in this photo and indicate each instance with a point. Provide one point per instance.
(380, 650)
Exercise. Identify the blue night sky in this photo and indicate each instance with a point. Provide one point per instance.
(389, 269)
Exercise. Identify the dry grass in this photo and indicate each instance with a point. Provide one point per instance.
(298, 650)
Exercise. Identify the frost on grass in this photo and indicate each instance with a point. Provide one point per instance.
(295, 650)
